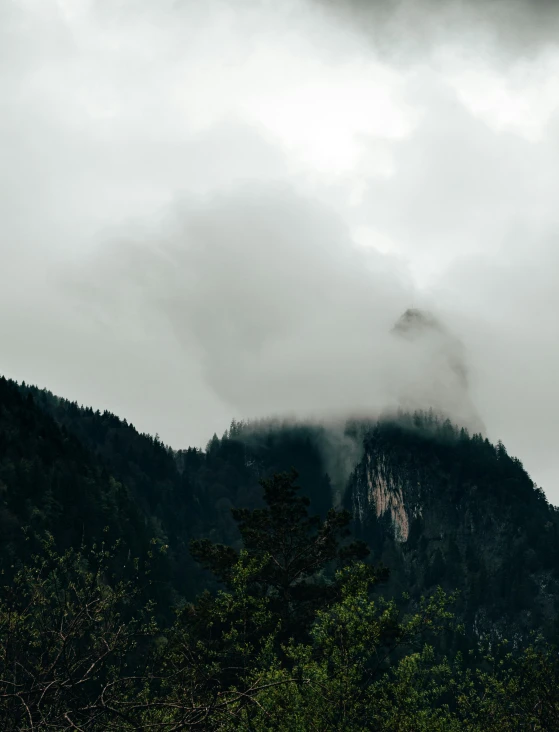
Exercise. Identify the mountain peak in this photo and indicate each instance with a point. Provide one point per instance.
(415, 321)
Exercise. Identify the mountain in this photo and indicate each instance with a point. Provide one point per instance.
(50, 482)
(437, 505)
(441, 507)
(86, 475)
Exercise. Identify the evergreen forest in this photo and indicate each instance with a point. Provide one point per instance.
(396, 574)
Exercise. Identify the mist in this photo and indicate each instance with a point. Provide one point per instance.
(210, 213)
(288, 316)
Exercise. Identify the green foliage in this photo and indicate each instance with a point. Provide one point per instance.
(291, 548)
(360, 655)
(69, 633)
(290, 632)
(80, 651)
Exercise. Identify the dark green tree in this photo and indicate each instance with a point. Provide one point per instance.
(297, 553)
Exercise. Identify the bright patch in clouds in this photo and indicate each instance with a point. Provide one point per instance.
(521, 98)
(367, 237)
(324, 116)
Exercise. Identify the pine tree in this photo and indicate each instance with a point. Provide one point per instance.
(295, 551)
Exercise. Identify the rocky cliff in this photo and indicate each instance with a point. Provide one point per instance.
(439, 506)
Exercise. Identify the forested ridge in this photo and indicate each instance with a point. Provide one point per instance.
(149, 588)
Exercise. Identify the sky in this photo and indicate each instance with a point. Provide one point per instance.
(220, 210)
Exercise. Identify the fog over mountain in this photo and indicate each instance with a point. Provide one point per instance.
(439, 377)
(214, 211)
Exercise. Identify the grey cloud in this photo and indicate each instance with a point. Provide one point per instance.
(510, 331)
(267, 286)
(444, 379)
(289, 317)
(406, 29)
(459, 187)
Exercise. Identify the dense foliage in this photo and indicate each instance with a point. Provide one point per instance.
(143, 588)
(79, 650)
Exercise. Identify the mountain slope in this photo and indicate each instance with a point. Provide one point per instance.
(441, 507)
(174, 496)
(436, 505)
(50, 482)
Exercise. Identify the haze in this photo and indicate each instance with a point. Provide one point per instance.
(216, 210)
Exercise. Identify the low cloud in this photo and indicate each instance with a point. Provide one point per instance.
(286, 313)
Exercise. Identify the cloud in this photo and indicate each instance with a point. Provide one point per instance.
(269, 288)
(439, 377)
(473, 207)
(211, 211)
(509, 330)
(405, 30)
(460, 186)
(286, 313)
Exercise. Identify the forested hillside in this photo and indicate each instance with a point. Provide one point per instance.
(406, 579)
(97, 471)
(50, 481)
(435, 504)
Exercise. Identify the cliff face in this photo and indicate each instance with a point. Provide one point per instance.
(384, 494)
(441, 507)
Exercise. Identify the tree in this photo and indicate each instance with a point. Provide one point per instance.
(364, 667)
(295, 552)
(79, 651)
(68, 643)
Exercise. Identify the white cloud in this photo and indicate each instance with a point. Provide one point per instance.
(523, 98)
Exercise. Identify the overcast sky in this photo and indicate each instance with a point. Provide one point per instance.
(219, 209)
